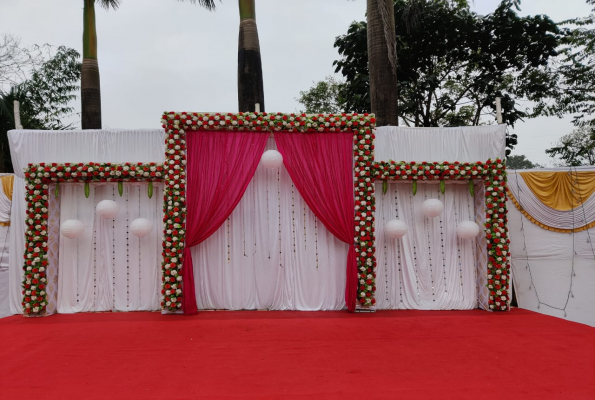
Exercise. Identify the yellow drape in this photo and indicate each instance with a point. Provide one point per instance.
(561, 191)
(7, 182)
(544, 226)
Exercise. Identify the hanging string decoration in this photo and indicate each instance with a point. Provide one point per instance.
(494, 175)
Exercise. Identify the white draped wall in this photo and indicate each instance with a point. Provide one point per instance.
(462, 144)
(554, 273)
(430, 268)
(4, 275)
(31, 146)
(108, 268)
(272, 253)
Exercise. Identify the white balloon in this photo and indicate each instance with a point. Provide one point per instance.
(141, 227)
(72, 228)
(108, 209)
(467, 230)
(272, 159)
(395, 229)
(432, 207)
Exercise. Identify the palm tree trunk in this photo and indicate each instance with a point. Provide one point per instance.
(382, 62)
(90, 88)
(250, 85)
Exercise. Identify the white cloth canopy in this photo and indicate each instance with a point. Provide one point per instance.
(462, 144)
(544, 262)
(107, 145)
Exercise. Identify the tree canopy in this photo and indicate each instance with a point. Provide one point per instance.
(576, 148)
(520, 162)
(453, 63)
(46, 98)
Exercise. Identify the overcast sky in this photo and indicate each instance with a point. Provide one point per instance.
(158, 55)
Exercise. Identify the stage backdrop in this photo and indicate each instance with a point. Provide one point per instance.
(32, 146)
(414, 272)
(551, 219)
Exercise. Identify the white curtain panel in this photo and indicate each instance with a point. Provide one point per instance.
(430, 268)
(17, 246)
(4, 278)
(543, 263)
(106, 145)
(570, 219)
(108, 268)
(462, 144)
(272, 253)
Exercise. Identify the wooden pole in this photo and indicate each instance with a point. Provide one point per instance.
(17, 115)
(499, 110)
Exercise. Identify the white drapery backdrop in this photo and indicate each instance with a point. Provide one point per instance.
(462, 144)
(32, 146)
(556, 269)
(4, 275)
(272, 253)
(430, 268)
(108, 268)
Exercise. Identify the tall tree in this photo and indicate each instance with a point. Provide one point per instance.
(453, 63)
(382, 61)
(90, 85)
(250, 83)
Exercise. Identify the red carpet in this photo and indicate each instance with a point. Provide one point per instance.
(323, 355)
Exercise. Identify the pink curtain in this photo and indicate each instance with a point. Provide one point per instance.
(220, 165)
(321, 167)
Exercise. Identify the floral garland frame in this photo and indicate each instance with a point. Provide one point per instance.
(493, 173)
(37, 184)
(176, 124)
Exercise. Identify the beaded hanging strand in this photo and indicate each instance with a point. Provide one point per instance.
(127, 248)
(114, 253)
(228, 241)
(279, 208)
(293, 217)
(399, 244)
(443, 254)
(415, 255)
(430, 250)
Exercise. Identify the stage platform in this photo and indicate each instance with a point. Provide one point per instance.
(293, 355)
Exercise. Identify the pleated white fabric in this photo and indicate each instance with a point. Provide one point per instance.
(430, 268)
(543, 262)
(570, 219)
(462, 144)
(4, 274)
(108, 268)
(17, 246)
(106, 145)
(272, 253)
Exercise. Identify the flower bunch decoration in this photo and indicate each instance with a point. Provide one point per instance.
(38, 177)
(493, 173)
(177, 124)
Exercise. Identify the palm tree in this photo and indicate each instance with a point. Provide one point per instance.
(250, 84)
(90, 87)
(382, 61)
